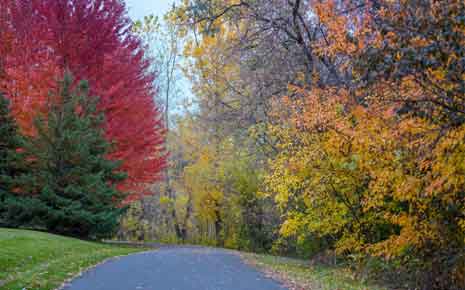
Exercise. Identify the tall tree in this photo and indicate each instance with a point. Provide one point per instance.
(93, 39)
(70, 186)
(164, 48)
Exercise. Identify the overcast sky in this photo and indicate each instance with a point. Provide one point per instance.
(140, 8)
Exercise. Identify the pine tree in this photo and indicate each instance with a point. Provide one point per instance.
(10, 157)
(71, 183)
(8, 138)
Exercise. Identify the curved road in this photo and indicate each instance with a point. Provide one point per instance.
(177, 268)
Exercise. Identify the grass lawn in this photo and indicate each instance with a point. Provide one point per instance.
(299, 275)
(34, 260)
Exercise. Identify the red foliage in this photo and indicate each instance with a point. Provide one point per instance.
(92, 39)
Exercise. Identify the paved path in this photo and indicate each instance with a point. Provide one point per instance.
(185, 268)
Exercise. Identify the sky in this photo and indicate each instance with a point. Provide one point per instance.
(140, 8)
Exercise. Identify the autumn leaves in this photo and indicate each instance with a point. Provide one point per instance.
(363, 146)
(92, 39)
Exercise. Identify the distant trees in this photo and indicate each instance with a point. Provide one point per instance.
(216, 186)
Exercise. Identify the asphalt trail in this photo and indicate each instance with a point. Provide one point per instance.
(178, 268)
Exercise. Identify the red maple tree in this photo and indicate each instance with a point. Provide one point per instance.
(93, 39)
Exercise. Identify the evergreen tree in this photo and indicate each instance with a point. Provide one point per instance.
(71, 183)
(8, 141)
(10, 157)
